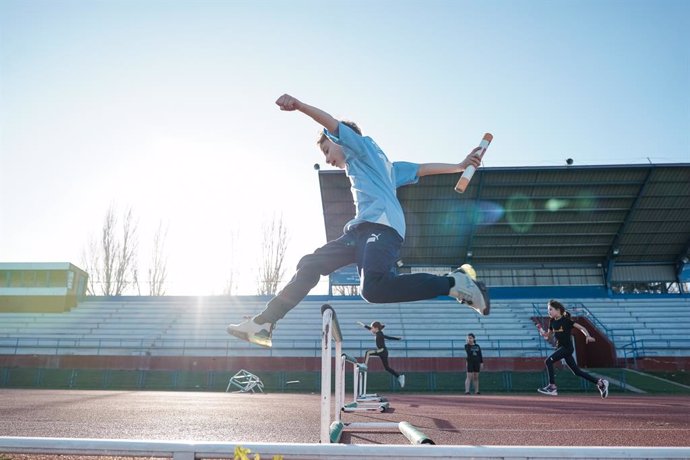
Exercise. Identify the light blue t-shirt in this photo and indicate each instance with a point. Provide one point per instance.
(374, 180)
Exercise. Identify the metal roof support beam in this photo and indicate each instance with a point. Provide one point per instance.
(684, 254)
(613, 250)
(681, 262)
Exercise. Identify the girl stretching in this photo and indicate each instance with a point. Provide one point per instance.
(561, 325)
(381, 351)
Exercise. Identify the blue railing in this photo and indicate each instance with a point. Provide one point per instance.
(215, 347)
(650, 347)
(615, 335)
(634, 349)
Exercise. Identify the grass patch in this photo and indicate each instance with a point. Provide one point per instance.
(124, 380)
(56, 378)
(650, 384)
(89, 379)
(682, 377)
(647, 381)
(23, 378)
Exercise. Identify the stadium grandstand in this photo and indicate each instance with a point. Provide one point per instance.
(611, 242)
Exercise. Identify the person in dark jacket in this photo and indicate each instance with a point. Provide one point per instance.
(474, 363)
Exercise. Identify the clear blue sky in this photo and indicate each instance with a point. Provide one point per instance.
(168, 107)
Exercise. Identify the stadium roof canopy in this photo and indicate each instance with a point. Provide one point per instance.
(538, 216)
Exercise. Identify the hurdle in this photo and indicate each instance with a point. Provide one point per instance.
(331, 431)
(246, 382)
(363, 395)
(360, 400)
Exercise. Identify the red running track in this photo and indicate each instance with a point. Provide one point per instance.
(567, 420)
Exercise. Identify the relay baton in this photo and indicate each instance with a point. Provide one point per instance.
(469, 172)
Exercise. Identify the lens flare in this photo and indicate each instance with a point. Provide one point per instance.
(488, 213)
(586, 201)
(555, 204)
(520, 213)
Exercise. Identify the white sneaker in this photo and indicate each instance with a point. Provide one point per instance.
(548, 390)
(603, 387)
(401, 380)
(248, 330)
(468, 290)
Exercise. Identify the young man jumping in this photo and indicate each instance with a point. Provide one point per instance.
(373, 238)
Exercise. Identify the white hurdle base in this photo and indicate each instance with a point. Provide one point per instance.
(412, 433)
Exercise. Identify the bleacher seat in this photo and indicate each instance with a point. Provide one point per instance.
(179, 326)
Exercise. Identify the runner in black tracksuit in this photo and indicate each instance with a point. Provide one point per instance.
(381, 351)
(561, 325)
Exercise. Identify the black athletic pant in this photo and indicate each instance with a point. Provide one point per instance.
(567, 354)
(384, 359)
(375, 248)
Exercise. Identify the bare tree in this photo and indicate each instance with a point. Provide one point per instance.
(110, 261)
(125, 260)
(271, 270)
(91, 261)
(158, 269)
(108, 250)
(343, 289)
(135, 280)
(231, 283)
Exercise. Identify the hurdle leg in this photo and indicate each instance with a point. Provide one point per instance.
(330, 432)
(364, 382)
(339, 383)
(326, 336)
(355, 383)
